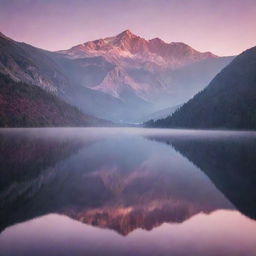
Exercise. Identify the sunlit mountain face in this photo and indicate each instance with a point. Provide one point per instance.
(128, 49)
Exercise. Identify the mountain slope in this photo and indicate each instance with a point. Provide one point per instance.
(229, 101)
(24, 105)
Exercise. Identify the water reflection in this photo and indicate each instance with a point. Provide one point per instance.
(229, 162)
(124, 181)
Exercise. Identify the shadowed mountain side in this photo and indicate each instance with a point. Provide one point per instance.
(229, 101)
(24, 105)
(23, 62)
(229, 163)
(119, 184)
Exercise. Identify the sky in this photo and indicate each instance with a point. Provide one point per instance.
(224, 27)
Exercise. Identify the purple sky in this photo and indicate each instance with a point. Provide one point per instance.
(225, 27)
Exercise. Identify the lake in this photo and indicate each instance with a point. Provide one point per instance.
(127, 191)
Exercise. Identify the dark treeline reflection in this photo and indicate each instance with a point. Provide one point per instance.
(229, 161)
(23, 157)
(28, 158)
(119, 181)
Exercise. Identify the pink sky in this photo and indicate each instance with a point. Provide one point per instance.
(224, 27)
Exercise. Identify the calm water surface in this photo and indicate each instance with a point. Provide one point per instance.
(127, 191)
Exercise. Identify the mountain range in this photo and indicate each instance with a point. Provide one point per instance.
(228, 102)
(124, 78)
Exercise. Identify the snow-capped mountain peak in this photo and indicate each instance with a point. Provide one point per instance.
(127, 49)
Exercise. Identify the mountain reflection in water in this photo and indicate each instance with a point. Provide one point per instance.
(125, 181)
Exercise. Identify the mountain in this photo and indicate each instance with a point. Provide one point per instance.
(127, 50)
(122, 78)
(229, 101)
(24, 105)
(151, 70)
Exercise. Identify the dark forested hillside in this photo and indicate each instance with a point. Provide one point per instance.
(24, 105)
(229, 101)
